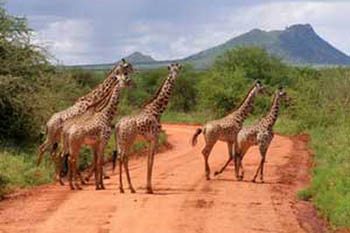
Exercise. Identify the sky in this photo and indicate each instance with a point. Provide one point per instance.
(103, 31)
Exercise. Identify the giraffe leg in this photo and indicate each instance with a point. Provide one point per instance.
(121, 174)
(81, 178)
(96, 170)
(70, 172)
(91, 172)
(150, 165)
(58, 169)
(206, 152)
(126, 167)
(240, 172)
(241, 166)
(229, 147)
(99, 165)
(241, 153)
(99, 168)
(237, 160)
(75, 173)
(91, 168)
(262, 170)
(263, 150)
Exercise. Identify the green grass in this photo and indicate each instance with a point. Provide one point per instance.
(18, 170)
(330, 186)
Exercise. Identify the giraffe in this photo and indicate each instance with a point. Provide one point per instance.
(95, 98)
(260, 134)
(146, 124)
(94, 131)
(226, 128)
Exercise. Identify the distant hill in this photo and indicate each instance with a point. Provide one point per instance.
(139, 58)
(297, 44)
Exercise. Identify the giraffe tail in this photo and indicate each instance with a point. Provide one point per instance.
(195, 135)
(42, 148)
(115, 152)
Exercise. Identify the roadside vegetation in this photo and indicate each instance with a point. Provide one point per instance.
(33, 89)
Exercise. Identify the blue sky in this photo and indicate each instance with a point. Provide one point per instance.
(99, 31)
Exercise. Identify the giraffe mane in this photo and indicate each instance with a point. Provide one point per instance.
(156, 94)
(103, 102)
(274, 98)
(245, 97)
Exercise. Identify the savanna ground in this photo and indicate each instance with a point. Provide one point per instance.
(32, 89)
(184, 201)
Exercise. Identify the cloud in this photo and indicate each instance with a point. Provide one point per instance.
(67, 39)
(82, 31)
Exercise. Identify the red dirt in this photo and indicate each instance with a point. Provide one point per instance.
(184, 201)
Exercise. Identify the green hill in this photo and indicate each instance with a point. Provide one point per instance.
(298, 44)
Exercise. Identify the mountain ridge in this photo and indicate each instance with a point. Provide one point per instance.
(297, 44)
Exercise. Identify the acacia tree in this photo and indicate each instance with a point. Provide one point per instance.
(18, 56)
(24, 69)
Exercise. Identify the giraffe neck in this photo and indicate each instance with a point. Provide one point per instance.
(271, 117)
(160, 101)
(108, 112)
(246, 106)
(101, 91)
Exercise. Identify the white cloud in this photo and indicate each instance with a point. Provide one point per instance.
(67, 39)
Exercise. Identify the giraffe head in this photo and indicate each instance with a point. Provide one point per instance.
(174, 69)
(123, 71)
(259, 88)
(281, 94)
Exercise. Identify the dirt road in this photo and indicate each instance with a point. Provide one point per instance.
(184, 201)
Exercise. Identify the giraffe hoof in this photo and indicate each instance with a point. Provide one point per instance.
(98, 188)
(106, 177)
(253, 180)
(208, 178)
(121, 190)
(132, 191)
(216, 173)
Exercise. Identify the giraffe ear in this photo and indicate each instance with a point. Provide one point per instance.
(169, 67)
(123, 61)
